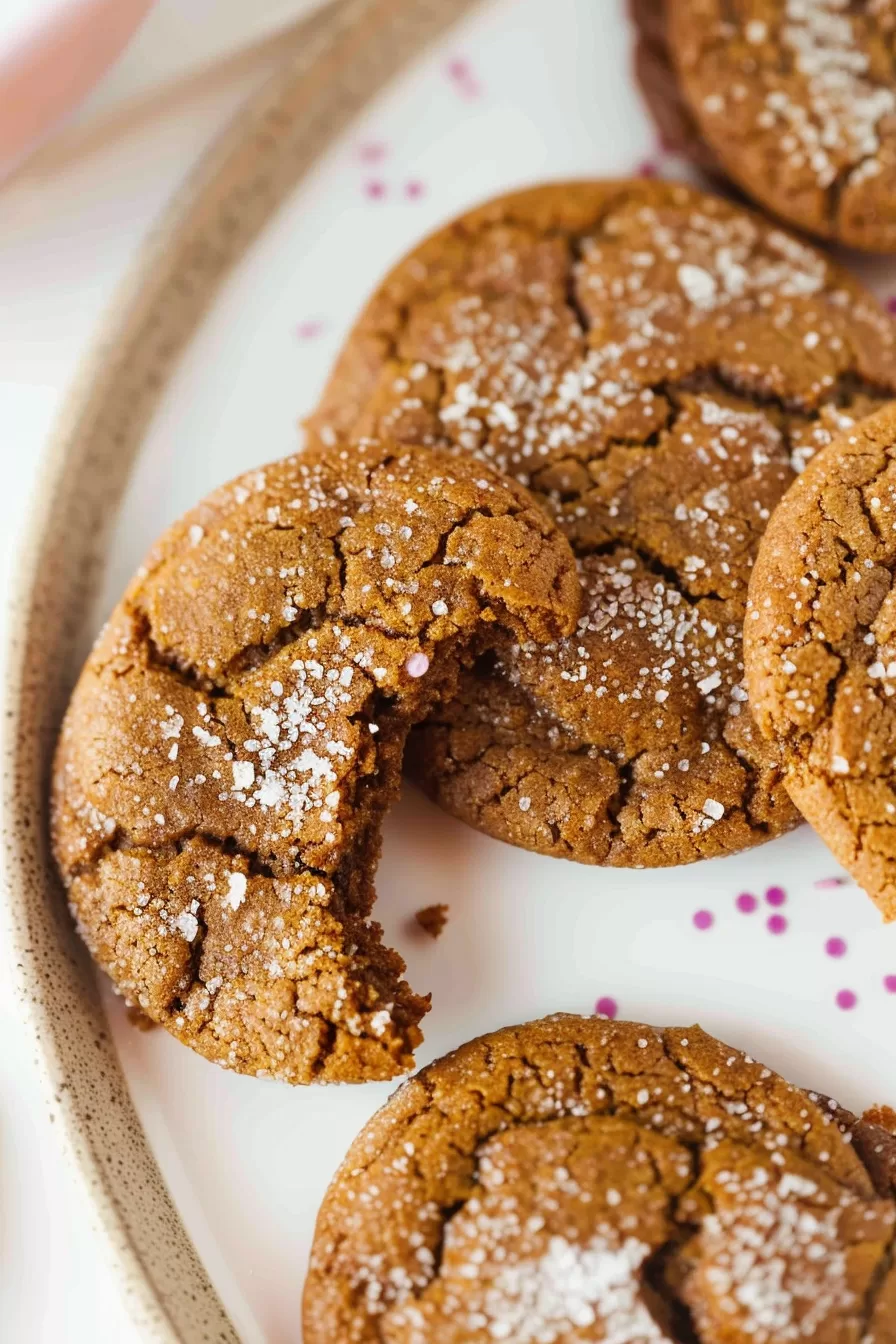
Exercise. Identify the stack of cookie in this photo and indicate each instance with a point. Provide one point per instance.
(597, 518)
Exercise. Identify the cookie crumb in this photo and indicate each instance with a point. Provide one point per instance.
(432, 919)
(138, 1019)
(882, 1116)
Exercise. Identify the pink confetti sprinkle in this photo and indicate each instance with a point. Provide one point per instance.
(647, 168)
(373, 151)
(776, 896)
(835, 947)
(414, 189)
(606, 1007)
(890, 984)
(829, 883)
(704, 919)
(374, 189)
(417, 665)
(891, 304)
(310, 329)
(746, 903)
(846, 999)
(460, 72)
(776, 924)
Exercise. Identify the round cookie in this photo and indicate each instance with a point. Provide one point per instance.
(821, 648)
(655, 364)
(795, 100)
(575, 1179)
(237, 733)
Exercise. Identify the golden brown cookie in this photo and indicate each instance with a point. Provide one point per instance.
(794, 99)
(655, 364)
(821, 648)
(575, 1179)
(236, 737)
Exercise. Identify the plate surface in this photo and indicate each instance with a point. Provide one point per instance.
(519, 91)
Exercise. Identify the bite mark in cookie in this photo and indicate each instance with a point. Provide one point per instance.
(236, 737)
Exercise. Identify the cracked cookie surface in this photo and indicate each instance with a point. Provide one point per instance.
(794, 99)
(236, 737)
(575, 1179)
(820, 640)
(655, 365)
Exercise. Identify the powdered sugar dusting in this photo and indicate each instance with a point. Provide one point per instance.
(800, 107)
(777, 1264)
(845, 106)
(537, 1301)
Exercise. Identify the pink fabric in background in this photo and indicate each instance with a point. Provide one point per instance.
(52, 61)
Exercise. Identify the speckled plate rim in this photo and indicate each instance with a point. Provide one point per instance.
(353, 48)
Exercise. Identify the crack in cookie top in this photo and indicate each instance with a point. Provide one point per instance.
(656, 365)
(821, 648)
(237, 733)
(575, 1180)
(797, 99)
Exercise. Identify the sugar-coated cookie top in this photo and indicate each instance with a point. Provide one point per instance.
(656, 364)
(574, 1180)
(237, 734)
(821, 646)
(797, 98)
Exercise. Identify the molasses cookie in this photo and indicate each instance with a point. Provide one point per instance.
(821, 648)
(795, 100)
(237, 733)
(656, 365)
(575, 1180)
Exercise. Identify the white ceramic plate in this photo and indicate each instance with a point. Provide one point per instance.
(519, 91)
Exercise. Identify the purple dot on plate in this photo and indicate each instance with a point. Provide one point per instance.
(846, 999)
(375, 189)
(606, 1007)
(890, 984)
(413, 189)
(776, 924)
(746, 903)
(373, 151)
(835, 947)
(309, 329)
(776, 896)
(828, 883)
(703, 919)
